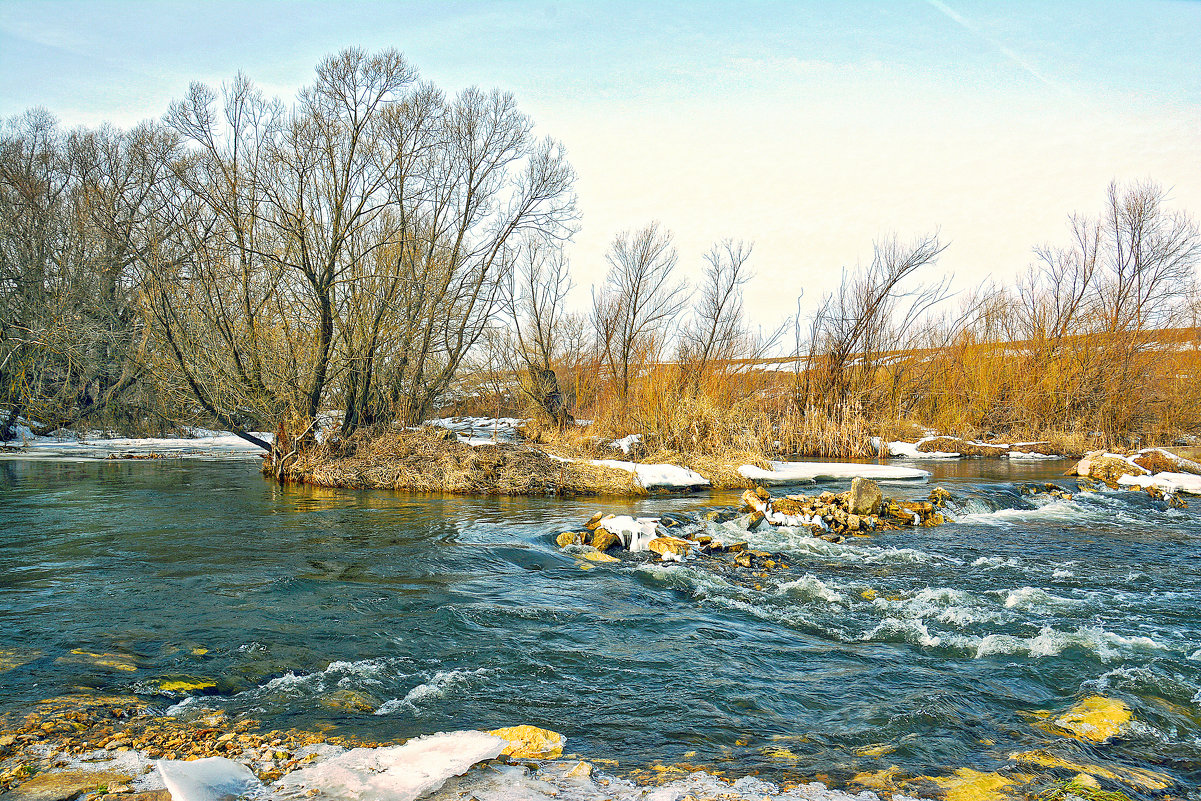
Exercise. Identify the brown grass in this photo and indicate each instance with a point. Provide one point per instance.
(427, 460)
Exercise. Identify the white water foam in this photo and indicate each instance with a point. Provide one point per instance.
(995, 562)
(338, 674)
(1106, 645)
(434, 687)
(809, 587)
(1033, 599)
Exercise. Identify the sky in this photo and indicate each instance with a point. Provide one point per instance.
(810, 129)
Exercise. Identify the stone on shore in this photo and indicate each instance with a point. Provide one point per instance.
(530, 742)
(65, 784)
(1107, 467)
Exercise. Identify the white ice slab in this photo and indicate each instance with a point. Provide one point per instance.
(398, 773)
(808, 472)
(211, 779)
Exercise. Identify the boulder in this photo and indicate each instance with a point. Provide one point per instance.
(1107, 467)
(603, 540)
(569, 538)
(668, 547)
(865, 496)
(595, 521)
(787, 506)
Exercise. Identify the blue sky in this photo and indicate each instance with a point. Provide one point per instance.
(810, 128)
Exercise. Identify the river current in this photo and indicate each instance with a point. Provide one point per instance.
(927, 649)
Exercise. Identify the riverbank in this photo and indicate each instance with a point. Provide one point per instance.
(436, 459)
(119, 748)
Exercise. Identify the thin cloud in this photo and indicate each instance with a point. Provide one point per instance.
(1008, 52)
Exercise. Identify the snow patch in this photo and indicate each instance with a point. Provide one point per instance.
(1170, 483)
(809, 472)
(658, 476)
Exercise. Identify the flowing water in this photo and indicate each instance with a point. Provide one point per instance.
(928, 649)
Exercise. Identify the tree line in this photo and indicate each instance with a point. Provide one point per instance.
(379, 249)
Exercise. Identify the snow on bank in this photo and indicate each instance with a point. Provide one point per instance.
(627, 442)
(457, 765)
(201, 444)
(1170, 483)
(476, 431)
(658, 476)
(908, 450)
(809, 472)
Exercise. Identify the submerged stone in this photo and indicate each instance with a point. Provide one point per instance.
(598, 556)
(1135, 777)
(350, 701)
(1096, 718)
(12, 658)
(974, 785)
(184, 684)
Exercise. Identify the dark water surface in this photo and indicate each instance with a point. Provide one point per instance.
(925, 649)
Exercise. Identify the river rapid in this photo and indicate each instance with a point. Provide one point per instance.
(927, 649)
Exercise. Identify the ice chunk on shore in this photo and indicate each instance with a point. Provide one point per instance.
(1168, 482)
(658, 476)
(909, 450)
(399, 773)
(211, 779)
(808, 472)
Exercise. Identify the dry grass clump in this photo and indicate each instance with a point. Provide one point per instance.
(1072, 444)
(842, 432)
(963, 447)
(433, 460)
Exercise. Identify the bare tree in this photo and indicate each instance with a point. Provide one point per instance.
(535, 305)
(638, 303)
(870, 314)
(72, 228)
(350, 249)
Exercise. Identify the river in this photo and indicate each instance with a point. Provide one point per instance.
(928, 649)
